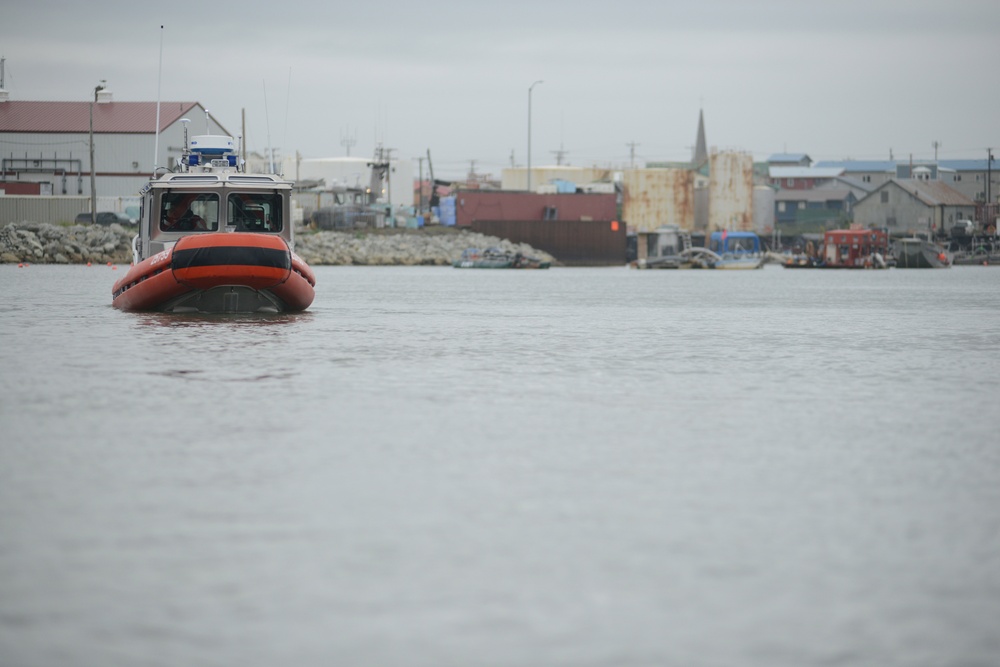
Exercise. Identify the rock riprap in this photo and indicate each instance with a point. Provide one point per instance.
(44, 243)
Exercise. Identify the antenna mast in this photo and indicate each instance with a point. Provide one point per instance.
(267, 118)
(159, 78)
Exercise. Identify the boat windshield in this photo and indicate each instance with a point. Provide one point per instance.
(735, 245)
(255, 211)
(189, 211)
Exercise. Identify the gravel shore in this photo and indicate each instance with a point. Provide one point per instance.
(43, 243)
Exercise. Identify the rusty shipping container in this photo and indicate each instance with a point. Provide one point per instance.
(656, 197)
(730, 191)
(571, 242)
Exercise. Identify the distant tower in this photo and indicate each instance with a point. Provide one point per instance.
(700, 156)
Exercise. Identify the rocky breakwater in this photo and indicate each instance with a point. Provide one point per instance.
(399, 247)
(44, 243)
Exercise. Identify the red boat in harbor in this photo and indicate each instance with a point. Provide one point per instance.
(214, 239)
(847, 249)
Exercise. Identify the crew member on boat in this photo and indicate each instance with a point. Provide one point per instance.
(178, 214)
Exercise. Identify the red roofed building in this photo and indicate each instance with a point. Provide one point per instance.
(48, 143)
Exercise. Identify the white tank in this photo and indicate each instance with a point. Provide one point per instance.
(210, 144)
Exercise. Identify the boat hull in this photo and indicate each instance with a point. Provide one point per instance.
(219, 273)
(920, 254)
(496, 259)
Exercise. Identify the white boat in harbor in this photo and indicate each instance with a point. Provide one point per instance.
(671, 248)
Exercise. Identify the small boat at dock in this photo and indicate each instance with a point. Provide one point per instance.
(917, 253)
(669, 247)
(496, 258)
(214, 239)
(736, 250)
(845, 249)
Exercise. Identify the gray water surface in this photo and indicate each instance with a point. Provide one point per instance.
(564, 467)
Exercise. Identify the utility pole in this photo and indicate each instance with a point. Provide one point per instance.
(989, 175)
(348, 141)
(560, 154)
(936, 145)
(529, 131)
(631, 145)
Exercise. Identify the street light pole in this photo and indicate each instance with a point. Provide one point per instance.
(529, 131)
(93, 180)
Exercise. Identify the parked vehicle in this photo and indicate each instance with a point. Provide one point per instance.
(105, 218)
(963, 228)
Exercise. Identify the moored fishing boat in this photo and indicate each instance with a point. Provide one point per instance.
(495, 258)
(214, 239)
(846, 249)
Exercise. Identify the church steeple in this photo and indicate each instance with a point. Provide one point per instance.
(700, 155)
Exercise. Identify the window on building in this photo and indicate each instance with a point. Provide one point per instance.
(885, 196)
(866, 179)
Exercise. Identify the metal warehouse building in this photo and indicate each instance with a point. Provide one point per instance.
(45, 147)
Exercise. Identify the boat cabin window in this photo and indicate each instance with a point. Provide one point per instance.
(255, 211)
(189, 212)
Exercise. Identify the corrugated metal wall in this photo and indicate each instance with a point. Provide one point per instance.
(730, 191)
(572, 242)
(656, 197)
(41, 209)
(472, 205)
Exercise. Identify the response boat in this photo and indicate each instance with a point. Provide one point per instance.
(215, 239)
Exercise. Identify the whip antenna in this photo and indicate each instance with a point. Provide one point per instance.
(159, 78)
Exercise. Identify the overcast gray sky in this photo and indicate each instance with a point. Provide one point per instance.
(851, 79)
